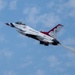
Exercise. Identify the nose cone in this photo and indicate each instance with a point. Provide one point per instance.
(7, 24)
(10, 24)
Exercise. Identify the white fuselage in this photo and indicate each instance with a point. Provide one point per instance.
(30, 32)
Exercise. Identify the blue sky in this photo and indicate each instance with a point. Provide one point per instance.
(20, 55)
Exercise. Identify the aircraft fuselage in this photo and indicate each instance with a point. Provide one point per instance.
(32, 33)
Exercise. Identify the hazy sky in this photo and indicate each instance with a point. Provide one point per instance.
(20, 55)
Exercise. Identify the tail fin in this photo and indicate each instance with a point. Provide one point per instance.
(53, 32)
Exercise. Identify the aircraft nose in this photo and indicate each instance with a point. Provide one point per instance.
(7, 24)
(10, 24)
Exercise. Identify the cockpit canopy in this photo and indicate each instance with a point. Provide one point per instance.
(20, 23)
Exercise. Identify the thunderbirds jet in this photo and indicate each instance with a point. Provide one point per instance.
(44, 38)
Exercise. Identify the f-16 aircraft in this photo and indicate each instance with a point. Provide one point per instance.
(44, 38)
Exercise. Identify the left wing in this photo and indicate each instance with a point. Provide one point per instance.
(35, 36)
(40, 38)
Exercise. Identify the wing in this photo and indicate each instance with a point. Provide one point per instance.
(37, 37)
(53, 32)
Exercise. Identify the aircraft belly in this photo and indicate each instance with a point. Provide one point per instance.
(37, 37)
(32, 36)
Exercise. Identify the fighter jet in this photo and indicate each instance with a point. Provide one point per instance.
(44, 38)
